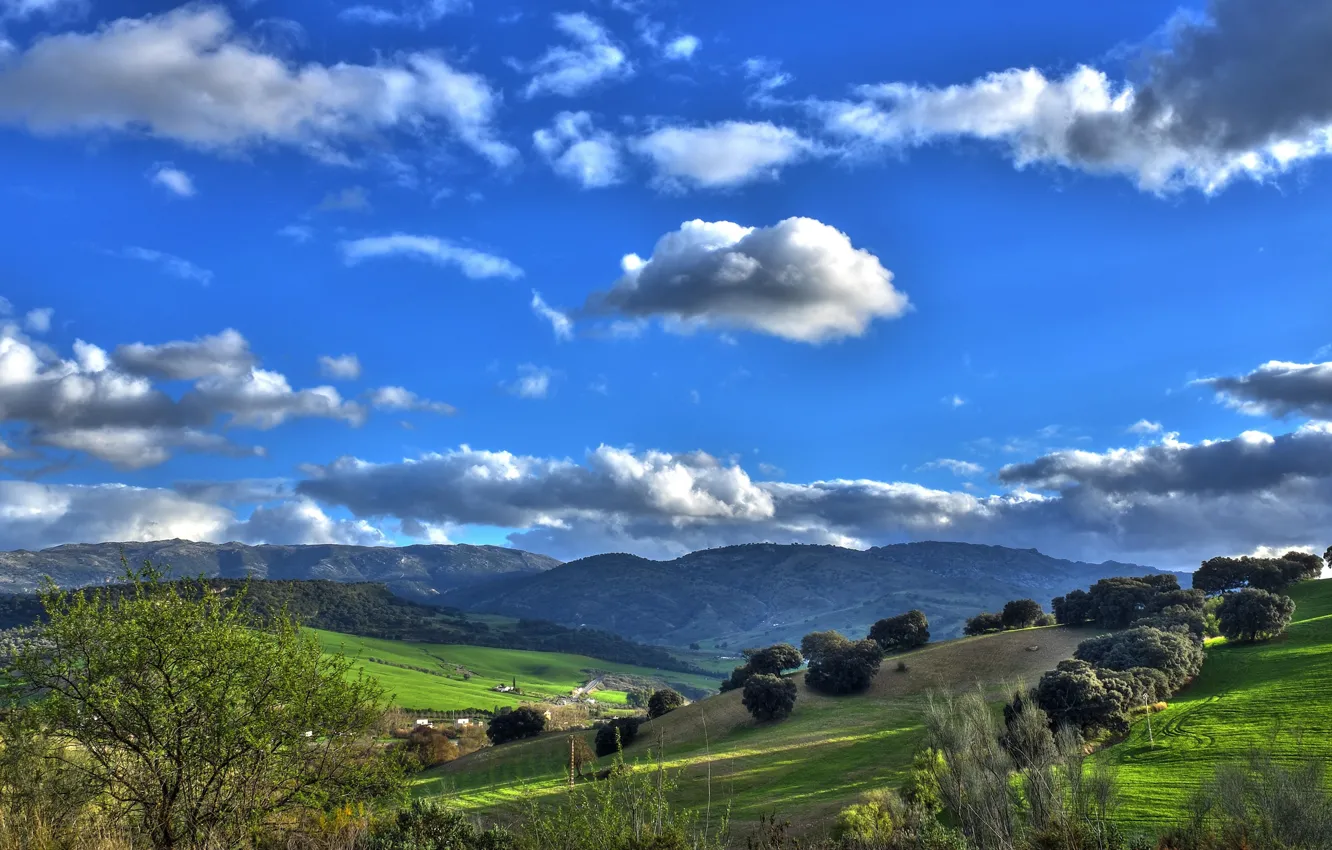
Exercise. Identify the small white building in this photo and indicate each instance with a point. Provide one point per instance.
(423, 722)
(463, 721)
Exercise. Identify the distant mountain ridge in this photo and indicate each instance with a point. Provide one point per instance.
(424, 572)
(757, 593)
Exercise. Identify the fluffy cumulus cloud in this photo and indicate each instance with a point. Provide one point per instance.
(471, 262)
(36, 515)
(591, 59)
(1238, 92)
(578, 151)
(109, 405)
(1279, 389)
(682, 47)
(188, 75)
(172, 179)
(719, 155)
(226, 354)
(344, 367)
(38, 320)
(800, 280)
(1170, 505)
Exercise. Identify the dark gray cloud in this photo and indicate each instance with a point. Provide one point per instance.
(799, 279)
(1242, 90)
(1250, 462)
(1279, 389)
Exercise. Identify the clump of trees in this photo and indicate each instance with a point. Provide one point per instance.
(1114, 603)
(905, 631)
(1021, 614)
(841, 666)
(638, 697)
(616, 734)
(1225, 575)
(983, 624)
(771, 661)
(768, 697)
(1254, 614)
(1017, 614)
(522, 722)
(663, 702)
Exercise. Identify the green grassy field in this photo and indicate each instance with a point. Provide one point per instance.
(539, 674)
(1243, 696)
(828, 751)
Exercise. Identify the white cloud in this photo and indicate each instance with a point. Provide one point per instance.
(225, 354)
(767, 75)
(1236, 94)
(963, 468)
(136, 447)
(731, 153)
(173, 180)
(800, 280)
(472, 263)
(169, 263)
(399, 398)
(6, 306)
(578, 151)
(682, 48)
(1145, 426)
(189, 76)
(38, 321)
(417, 14)
(532, 381)
(298, 233)
(569, 71)
(264, 399)
(344, 367)
(953, 400)
(560, 322)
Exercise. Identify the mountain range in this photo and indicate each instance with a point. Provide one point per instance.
(761, 593)
(731, 597)
(422, 573)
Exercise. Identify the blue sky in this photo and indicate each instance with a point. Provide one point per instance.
(1042, 275)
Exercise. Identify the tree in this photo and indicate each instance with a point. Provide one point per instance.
(194, 720)
(1072, 694)
(522, 722)
(983, 624)
(1021, 613)
(1310, 565)
(816, 644)
(905, 631)
(580, 755)
(638, 697)
(1073, 608)
(1118, 601)
(664, 701)
(1254, 614)
(1175, 654)
(775, 659)
(1219, 575)
(769, 697)
(616, 735)
(845, 670)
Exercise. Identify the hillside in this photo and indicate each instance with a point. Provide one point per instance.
(1268, 694)
(371, 610)
(426, 572)
(763, 593)
(540, 675)
(828, 751)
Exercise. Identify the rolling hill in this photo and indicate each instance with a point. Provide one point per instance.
(830, 750)
(425, 573)
(763, 593)
(539, 674)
